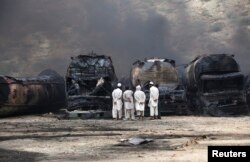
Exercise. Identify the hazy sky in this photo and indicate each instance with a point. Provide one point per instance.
(40, 34)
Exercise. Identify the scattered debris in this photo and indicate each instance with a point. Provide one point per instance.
(191, 142)
(123, 140)
(79, 114)
(139, 141)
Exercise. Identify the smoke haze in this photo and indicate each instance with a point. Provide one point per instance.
(40, 34)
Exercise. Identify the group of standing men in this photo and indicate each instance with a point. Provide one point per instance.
(134, 102)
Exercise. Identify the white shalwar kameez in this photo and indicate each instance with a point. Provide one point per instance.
(153, 101)
(140, 98)
(129, 104)
(117, 103)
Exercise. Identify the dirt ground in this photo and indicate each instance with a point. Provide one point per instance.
(176, 138)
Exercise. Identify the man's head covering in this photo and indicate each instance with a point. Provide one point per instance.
(151, 83)
(138, 87)
(119, 85)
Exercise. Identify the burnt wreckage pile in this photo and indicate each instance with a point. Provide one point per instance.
(209, 85)
(89, 81)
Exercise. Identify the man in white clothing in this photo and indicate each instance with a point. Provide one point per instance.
(117, 102)
(140, 98)
(128, 104)
(153, 101)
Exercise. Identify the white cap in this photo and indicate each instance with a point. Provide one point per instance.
(151, 83)
(119, 84)
(138, 87)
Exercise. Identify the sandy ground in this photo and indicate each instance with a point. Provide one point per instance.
(176, 138)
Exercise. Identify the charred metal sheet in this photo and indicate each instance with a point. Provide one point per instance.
(164, 74)
(90, 80)
(78, 114)
(215, 85)
(84, 102)
(44, 93)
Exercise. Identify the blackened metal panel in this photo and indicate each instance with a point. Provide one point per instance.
(90, 77)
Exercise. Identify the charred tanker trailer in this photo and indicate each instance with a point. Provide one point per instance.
(90, 80)
(44, 93)
(214, 85)
(164, 74)
(247, 89)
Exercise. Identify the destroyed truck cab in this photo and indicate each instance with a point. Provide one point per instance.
(89, 82)
(214, 85)
(164, 75)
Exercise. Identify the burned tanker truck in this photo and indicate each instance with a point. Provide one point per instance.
(214, 86)
(247, 89)
(41, 94)
(89, 82)
(164, 74)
